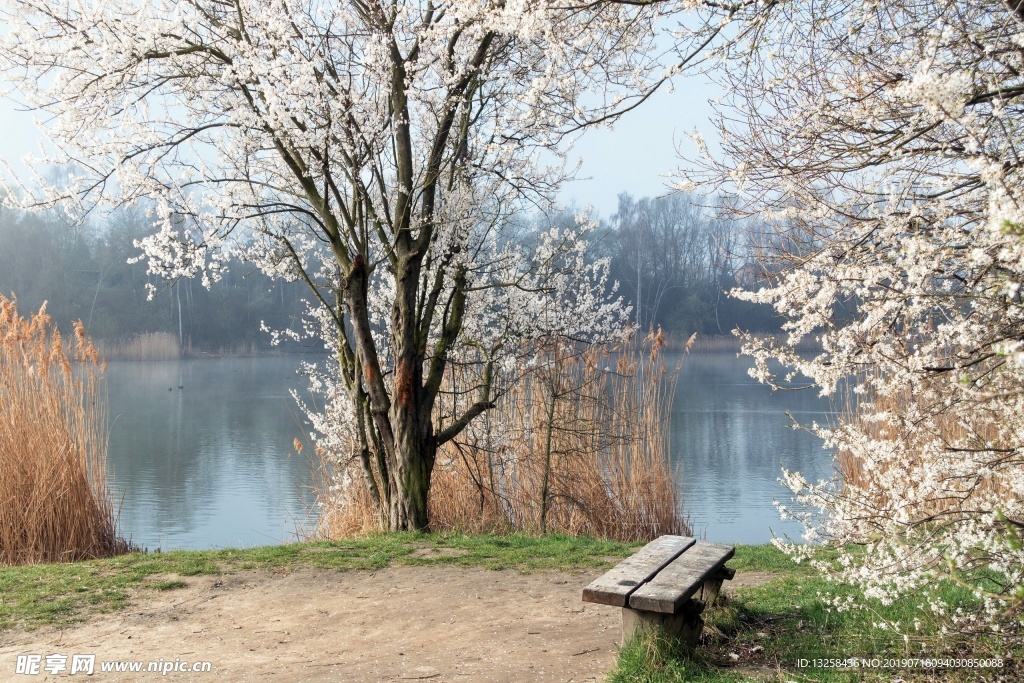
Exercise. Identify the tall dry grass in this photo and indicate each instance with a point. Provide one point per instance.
(165, 346)
(727, 343)
(146, 346)
(578, 446)
(931, 424)
(55, 503)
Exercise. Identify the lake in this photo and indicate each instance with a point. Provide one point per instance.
(209, 464)
(201, 451)
(731, 436)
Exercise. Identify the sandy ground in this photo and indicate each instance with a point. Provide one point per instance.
(405, 623)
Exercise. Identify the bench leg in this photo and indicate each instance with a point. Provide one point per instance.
(710, 591)
(713, 585)
(686, 624)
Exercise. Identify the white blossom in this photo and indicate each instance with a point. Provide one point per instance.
(884, 146)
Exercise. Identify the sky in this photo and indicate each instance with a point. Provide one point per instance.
(634, 157)
(18, 135)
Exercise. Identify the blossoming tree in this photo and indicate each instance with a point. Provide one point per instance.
(371, 149)
(885, 142)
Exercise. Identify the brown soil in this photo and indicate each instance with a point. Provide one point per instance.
(402, 623)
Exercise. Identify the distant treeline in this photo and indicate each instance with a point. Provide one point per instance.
(675, 261)
(672, 259)
(83, 273)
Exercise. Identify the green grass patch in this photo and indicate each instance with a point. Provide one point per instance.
(780, 630)
(657, 659)
(766, 558)
(63, 593)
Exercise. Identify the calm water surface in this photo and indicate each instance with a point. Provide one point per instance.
(732, 436)
(208, 464)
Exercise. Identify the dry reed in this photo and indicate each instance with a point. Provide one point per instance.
(727, 343)
(578, 446)
(55, 503)
(979, 431)
(165, 346)
(147, 346)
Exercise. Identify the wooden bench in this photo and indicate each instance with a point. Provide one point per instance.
(666, 586)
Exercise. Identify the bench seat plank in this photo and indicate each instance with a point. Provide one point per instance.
(615, 587)
(677, 582)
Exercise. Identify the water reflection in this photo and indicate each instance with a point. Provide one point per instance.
(732, 437)
(199, 452)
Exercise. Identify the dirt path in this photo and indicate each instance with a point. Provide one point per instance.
(404, 623)
(399, 624)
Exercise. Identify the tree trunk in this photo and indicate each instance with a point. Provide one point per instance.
(544, 490)
(410, 488)
(181, 333)
(402, 422)
(411, 417)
